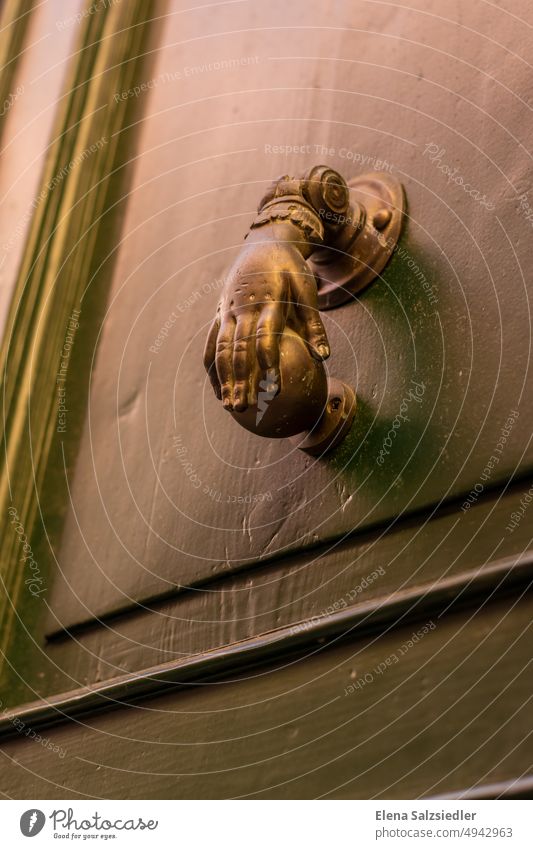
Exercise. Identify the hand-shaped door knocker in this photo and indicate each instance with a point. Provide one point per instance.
(316, 243)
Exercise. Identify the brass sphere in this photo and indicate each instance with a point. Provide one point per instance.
(299, 403)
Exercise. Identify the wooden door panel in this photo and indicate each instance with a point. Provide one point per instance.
(168, 491)
(378, 578)
(256, 602)
(433, 708)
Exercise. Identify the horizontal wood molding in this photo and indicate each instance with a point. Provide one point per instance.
(497, 500)
(518, 788)
(398, 609)
(234, 608)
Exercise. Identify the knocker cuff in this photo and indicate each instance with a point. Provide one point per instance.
(295, 209)
(318, 203)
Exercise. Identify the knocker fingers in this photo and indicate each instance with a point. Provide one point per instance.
(306, 307)
(244, 362)
(224, 359)
(210, 351)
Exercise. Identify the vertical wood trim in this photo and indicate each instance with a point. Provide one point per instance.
(14, 18)
(55, 270)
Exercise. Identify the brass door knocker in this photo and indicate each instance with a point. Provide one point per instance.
(316, 242)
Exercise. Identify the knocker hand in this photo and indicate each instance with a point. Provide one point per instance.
(270, 287)
(316, 241)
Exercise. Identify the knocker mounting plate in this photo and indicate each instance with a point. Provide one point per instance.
(366, 242)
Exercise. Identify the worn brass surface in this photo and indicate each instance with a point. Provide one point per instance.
(301, 402)
(346, 267)
(265, 348)
(334, 423)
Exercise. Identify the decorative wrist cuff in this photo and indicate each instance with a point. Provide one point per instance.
(296, 210)
(316, 203)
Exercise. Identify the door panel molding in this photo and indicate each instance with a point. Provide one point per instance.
(452, 713)
(370, 567)
(66, 231)
(519, 788)
(381, 615)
